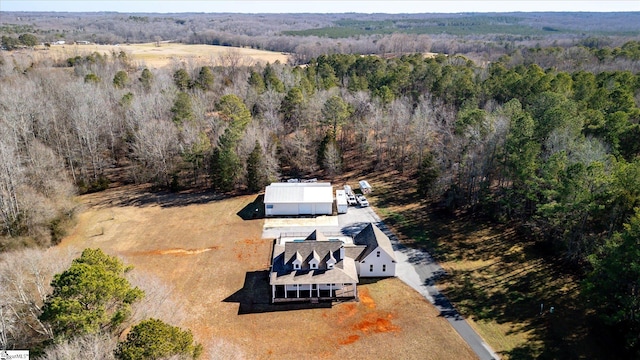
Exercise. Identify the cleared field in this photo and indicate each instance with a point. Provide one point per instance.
(171, 53)
(217, 264)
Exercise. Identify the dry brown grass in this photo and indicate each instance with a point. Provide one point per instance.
(167, 53)
(217, 264)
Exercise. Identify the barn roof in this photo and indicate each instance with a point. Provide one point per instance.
(288, 193)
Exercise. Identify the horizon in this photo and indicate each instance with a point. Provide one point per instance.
(319, 7)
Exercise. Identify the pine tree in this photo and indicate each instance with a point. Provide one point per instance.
(256, 178)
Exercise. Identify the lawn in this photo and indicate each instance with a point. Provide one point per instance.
(217, 265)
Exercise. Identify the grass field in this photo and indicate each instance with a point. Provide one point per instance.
(217, 264)
(168, 53)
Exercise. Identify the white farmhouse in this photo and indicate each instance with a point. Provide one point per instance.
(320, 268)
(291, 199)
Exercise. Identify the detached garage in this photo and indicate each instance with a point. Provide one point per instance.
(290, 199)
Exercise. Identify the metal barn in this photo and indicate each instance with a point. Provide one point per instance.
(291, 199)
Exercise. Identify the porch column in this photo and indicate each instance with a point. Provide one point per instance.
(273, 293)
(330, 290)
(298, 291)
(285, 291)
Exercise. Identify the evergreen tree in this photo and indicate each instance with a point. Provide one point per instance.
(90, 296)
(182, 79)
(205, 78)
(257, 82)
(335, 112)
(427, 174)
(121, 79)
(613, 287)
(146, 78)
(182, 109)
(154, 339)
(256, 178)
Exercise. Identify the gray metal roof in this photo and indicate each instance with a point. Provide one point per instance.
(288, 193)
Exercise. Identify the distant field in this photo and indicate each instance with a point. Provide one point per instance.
(217, 264)
(170, 53)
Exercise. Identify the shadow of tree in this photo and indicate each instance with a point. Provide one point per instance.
(140, 196)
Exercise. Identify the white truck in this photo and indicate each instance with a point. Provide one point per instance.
(351, 197)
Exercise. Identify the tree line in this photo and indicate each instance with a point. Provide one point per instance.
(571, 34)
(553, 151)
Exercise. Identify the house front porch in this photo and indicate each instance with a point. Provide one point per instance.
(312, 293)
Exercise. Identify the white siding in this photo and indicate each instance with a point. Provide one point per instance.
(341, 201)
(379, 263)
(323, 209)
(305, 209)
(281, 209)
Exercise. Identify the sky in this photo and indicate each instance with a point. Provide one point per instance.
(313, 6)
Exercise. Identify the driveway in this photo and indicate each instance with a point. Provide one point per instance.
(415, 267)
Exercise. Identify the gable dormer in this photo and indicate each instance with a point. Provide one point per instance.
(331, 261)
(314, 261)
(297, 261)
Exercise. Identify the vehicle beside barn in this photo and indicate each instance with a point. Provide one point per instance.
(341, 202)
(365, 188)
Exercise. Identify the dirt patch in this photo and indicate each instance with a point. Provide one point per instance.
(373, 323)
(366, 300)
(349, 340)
(175, 251)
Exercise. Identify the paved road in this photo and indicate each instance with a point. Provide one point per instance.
(418, 270)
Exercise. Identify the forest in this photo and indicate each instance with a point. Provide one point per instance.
(544, 137)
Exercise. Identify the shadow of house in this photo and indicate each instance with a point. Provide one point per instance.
(253, 210)
(253, 297)
(353, 229)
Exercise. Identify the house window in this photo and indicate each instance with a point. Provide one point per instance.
(269, 206)
(371, 268)
(313, 266)
(296, 266)
(384, 267)
(378, 254)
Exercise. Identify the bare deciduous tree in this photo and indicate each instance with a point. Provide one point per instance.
(25, 276)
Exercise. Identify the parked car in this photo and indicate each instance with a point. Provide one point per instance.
(362, 201)
(351, 199)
